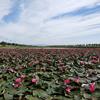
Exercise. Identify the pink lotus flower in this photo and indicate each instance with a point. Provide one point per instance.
(67, 81)
(94, 61)
(16, 85)
(34, 80)
(94, 57)
(22, 76)
(77, 80)
(82, 62)
(18, 80)
(92, 87)
(68, 90)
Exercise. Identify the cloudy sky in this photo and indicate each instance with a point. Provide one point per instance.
(42, 22)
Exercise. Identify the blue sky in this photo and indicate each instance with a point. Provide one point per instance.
(50, 22)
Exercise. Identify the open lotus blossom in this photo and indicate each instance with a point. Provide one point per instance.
(94, 61)
(92, 87)
(94, 57)
(67, 81)
(16, 85)
(34, 80)
(18, 80)
(77, 80)
(82, 62)
(22, 76)
(68, 90)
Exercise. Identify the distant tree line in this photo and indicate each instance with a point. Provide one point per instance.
(78, 46)
(3, 43)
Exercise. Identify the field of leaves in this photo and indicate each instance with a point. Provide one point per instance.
(50, 74)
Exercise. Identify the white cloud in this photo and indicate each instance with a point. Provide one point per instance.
(5, 6)
(34, 27)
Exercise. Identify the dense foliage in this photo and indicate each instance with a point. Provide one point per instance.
(50, 74)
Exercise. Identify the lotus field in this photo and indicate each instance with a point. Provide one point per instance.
(50, 74)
